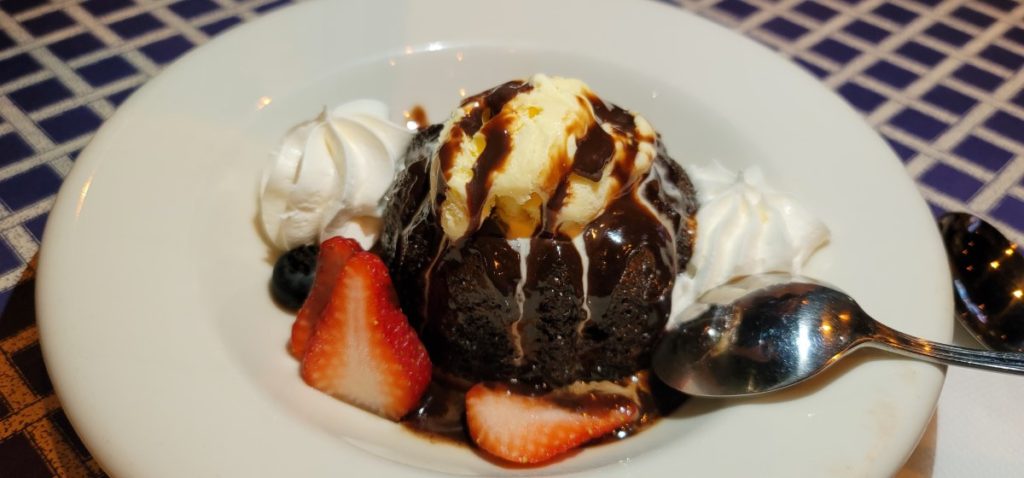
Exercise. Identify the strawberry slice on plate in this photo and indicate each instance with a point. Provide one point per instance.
(334, 253)
(363, 349)
(533, 429)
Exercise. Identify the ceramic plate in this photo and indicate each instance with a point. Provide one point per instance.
(169, 355)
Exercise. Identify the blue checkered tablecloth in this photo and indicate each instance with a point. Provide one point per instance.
(941, 80)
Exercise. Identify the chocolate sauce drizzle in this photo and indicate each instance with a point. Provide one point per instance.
(491, 160)
(418, 115)
(485, 105)
(620, 119)
(593, 152)
(489, 103)
(553, 206)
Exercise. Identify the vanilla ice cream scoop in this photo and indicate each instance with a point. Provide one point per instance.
(542, 154)
(329, 175)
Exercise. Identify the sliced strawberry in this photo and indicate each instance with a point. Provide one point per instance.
(363, 349)
(534, 429)
(334, 253)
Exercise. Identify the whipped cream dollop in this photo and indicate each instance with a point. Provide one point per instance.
(329, 174)
(743, 227)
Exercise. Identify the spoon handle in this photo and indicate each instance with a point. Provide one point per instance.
(903, 344)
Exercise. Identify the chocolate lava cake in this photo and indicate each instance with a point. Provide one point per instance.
(555, 307)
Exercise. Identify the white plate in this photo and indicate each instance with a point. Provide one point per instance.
(169, 356)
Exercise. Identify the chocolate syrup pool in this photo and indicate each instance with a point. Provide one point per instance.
(441, 414)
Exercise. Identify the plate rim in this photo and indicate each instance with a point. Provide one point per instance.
(71, 196)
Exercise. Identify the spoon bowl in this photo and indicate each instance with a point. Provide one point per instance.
(988, 281)
(769, 332)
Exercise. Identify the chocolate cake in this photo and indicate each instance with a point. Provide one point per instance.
(564, 303)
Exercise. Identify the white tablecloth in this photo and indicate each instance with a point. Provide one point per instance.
(978, 427)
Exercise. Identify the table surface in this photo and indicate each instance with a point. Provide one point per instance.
(941, 80)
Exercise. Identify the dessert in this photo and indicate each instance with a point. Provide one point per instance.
(536, 236)
(538, 240)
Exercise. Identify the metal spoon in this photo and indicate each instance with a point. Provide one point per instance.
(768, 332)
(988, 281)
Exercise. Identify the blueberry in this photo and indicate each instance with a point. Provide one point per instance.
(293, 276)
